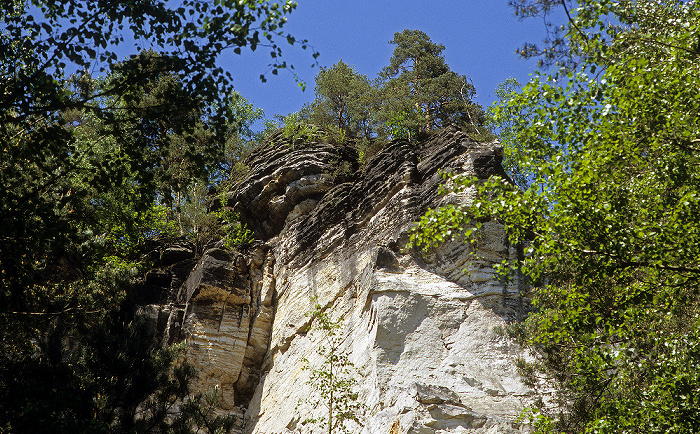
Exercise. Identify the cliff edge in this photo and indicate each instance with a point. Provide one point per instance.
(419, 329)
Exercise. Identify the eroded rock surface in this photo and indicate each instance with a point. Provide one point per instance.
(418, 328)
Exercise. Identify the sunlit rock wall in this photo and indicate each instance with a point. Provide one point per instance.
(420, 329)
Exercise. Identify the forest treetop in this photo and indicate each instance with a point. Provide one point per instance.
(415, 93)
(41, 39)
(90, 166)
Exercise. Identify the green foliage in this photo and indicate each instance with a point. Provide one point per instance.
(400, 125)
(199, 412)
(296, 129)
(417, 92)
(502, 118)
(367, 148)
(236, 234)
(240, 136)
(200, 223)
(339, 170)
(333, 380)
(443, 224)
(421, 90)
(540, 423)
(345, 101)
(90, 169)
(98, 377)
(608, 219)
(161, 148)
(79, 35)
(556, 50)
(335, 135)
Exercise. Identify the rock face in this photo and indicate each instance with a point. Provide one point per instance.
(419, 329)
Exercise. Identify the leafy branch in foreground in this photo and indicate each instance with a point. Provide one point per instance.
(199, 412)
(88, 168)
(609, 221)
(502, 119)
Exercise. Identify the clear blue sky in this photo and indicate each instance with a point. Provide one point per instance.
(480, 39)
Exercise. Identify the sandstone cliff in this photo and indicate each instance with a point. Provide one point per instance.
(418, 328)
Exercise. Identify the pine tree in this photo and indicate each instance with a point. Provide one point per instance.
(420, 88)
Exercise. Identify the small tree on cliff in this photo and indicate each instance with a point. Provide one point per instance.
(333, 379)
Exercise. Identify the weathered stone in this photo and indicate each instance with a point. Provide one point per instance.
(387, 260)
(174, 254)
(418, 328)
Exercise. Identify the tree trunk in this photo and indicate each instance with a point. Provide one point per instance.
(179, 211)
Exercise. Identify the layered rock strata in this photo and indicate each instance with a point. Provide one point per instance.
(419, 329)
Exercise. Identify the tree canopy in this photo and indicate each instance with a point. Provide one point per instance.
(43, 38)
(344, 99)
(98, 154)
(420, 80)
(608, 221)
(416, 92)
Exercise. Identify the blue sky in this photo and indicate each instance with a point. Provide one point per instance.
(480, 37)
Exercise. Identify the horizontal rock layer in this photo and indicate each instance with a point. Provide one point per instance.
(418, 328)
